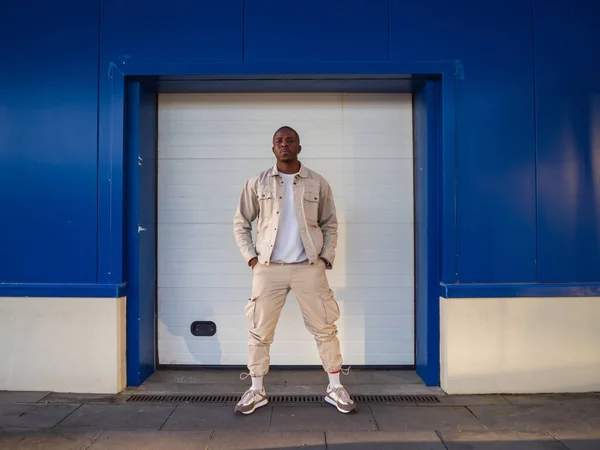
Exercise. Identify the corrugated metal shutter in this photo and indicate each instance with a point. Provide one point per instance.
(209, 144)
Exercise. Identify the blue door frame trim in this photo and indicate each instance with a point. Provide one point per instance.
(112, 135)
(428, 158)
(139, 254)
(130, 252)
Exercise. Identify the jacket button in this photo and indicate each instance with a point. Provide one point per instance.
(277, 212)
(315, 198)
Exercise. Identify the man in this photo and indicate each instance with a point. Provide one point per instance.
(295, 244)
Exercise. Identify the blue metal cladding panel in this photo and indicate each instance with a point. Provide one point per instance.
(110, 176)
(48, 150)
(168, 32)
(495, 152)
(316, 30)
(567, 55)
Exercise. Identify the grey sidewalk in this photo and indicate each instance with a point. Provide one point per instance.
(69, 421)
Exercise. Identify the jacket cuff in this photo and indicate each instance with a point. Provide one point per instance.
(248, 256)
(328, 259)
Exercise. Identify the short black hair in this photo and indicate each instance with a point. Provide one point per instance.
(285, 127)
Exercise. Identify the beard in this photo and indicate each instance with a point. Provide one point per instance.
(288, 157)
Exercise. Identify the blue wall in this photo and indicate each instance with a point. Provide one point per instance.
(527, 115)
(567, 80)
(495, 141)
(48, 142)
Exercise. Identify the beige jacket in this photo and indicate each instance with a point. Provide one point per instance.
(262, 197)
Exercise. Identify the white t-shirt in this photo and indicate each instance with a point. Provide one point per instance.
(288, 247)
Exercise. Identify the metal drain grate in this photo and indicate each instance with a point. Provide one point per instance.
(396, 398)
(139, 398)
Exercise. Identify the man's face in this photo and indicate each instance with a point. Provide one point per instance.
(286, 146)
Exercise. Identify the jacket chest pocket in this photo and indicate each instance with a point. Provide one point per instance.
(266, 202)
(310, 203)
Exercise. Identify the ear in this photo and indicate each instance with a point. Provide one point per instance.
(299, 149)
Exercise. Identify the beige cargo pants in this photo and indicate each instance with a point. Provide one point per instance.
(270, 287)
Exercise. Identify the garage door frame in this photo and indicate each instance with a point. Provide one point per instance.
(433, 86)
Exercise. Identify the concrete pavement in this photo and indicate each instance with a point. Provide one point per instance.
(43, 420)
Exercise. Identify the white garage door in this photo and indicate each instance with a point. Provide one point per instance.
(209, 145)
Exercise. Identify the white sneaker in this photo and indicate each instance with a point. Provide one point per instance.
(251, 400)
(339, 397)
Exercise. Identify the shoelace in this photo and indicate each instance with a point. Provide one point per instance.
(244, 375)
(346, 372)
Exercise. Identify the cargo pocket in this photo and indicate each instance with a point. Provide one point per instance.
(330, 308)
(311, 204)
(251, 312)
(266, 200)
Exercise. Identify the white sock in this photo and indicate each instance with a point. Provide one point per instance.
(334, 379)
(257, 383)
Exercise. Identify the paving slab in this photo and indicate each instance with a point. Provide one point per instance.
(395, 404)
(352, 387)
(10, 437)
(87, 399)
(299, 405)
(22, 396)
(22, 415)
(578, 439)
(391, 389)
(544, 399)
(589, 408)
(383, 440)
(209, 417)
(393, 418)
(320, 419)
(118, 417)
(37, 439)
(152, 440)
(468, 400)
(236, 389)
(253, 440)
(282, 376)
(531, 417)
(499, 440)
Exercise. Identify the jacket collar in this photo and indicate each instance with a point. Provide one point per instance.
(303, 171)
